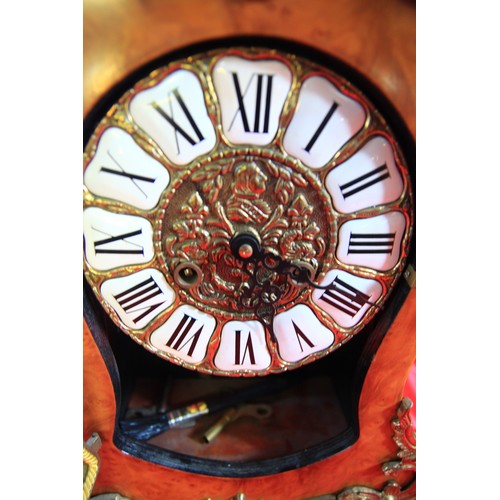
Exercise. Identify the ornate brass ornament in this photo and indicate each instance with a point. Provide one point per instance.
(90, 464)
(405, 438)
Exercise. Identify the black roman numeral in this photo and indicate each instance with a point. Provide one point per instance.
(134, 178)
(260, 123)
(126, 174)
(344, 297)
(133, 299)
(371, 243)
(121, 237)
(300, 334)
(179, 339)
(238, 358)
(322, 125)
(364, 181)
(177, 128)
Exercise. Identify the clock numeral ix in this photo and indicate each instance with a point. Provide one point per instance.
(121, 237)
(123, 173)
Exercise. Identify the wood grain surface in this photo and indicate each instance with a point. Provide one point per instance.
(377, 38)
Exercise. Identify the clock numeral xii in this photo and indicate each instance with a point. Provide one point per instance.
(264, 85)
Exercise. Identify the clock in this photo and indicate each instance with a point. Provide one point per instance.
(248, 219)
(247, 209)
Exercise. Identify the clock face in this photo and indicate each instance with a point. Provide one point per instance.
(246, 210)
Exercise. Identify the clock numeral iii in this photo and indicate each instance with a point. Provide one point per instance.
(360, 243)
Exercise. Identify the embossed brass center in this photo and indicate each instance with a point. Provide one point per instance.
(283, 205)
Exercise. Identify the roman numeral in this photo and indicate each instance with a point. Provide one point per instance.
(322, 125)
(238, 358)
(132, 300)
(360, 243)
(260, 123)
(177, 128)
(121, 237)
(134, 178)
(180, 338)
(344, 297)
(300, 334)
(364, 181)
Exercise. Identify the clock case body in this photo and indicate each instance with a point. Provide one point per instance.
(372, 366)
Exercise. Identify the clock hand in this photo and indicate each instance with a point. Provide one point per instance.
(299, 274)
(261, 295)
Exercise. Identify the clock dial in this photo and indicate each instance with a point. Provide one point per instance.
(246, 211)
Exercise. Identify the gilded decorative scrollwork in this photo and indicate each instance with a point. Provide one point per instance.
(405, 437)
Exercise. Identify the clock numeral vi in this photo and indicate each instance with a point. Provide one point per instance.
(239, 357)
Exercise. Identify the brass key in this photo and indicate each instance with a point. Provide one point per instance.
(247, 410)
